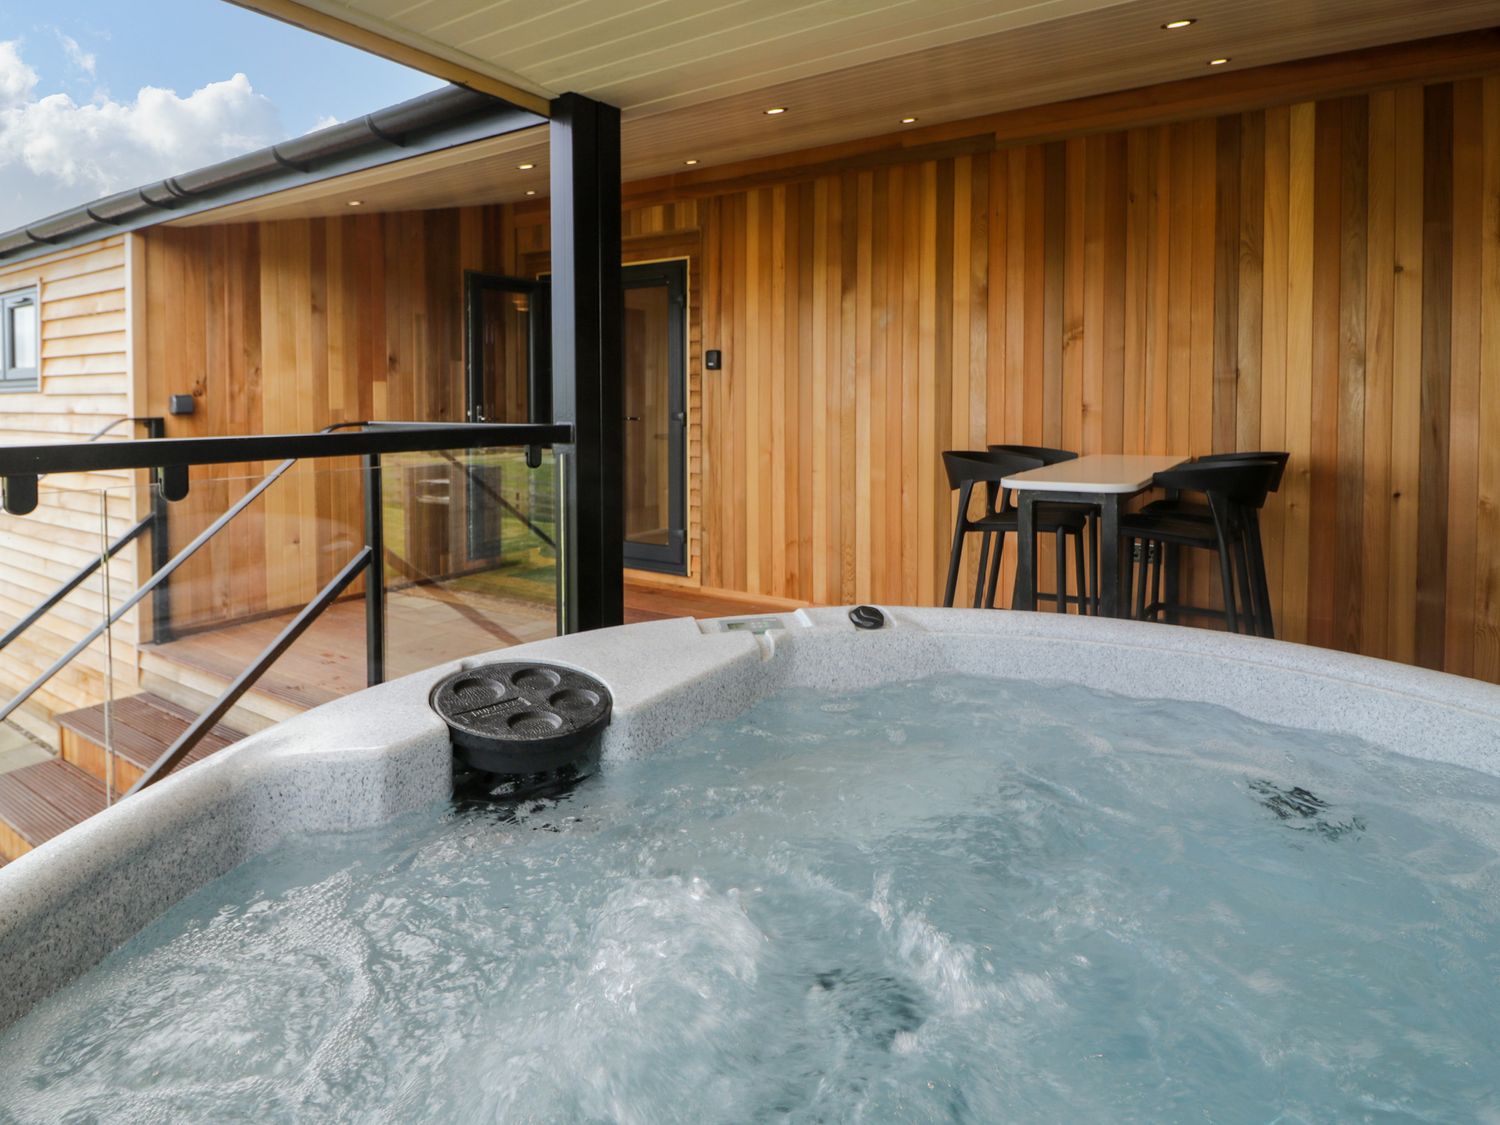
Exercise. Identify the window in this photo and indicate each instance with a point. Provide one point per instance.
(18, 341)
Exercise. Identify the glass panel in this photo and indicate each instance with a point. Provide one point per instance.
(230, 600)
(23, 335)
(471, 565)
(648, 418)
(505, 326)
(471, 555)
(72, 712)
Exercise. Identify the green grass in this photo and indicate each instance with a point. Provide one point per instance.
(527, 566)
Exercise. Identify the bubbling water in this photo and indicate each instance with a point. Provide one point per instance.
(950, 900)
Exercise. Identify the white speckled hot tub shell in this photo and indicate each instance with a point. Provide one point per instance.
(373, 755)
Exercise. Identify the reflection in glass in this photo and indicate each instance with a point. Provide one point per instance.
(648, 430)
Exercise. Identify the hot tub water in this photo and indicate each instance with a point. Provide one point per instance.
(953, 900)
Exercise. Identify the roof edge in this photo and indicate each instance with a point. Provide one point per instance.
(452, 115)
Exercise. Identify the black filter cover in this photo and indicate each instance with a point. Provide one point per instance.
(523, 717)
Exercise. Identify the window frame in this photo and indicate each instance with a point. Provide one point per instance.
(13, 379)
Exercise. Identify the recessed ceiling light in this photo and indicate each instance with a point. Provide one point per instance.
(690, 162)
(355, 202)
(1173, 25)
(526, 167)
(531, 193)
(1217, 62)
(775, 109)
(908, 120)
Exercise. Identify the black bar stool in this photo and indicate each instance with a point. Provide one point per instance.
(1236, 491)
(969, 467)
(1198, 510)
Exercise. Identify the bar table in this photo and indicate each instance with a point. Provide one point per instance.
(1105, 480)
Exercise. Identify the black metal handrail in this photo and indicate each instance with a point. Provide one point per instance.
(154, 429)
(77, 579)
(158, 577)
(20, 465)
(220, 707)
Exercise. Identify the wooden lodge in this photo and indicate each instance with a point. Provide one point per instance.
(1299, 255)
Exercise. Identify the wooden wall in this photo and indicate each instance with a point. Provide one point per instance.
(290, 326)
(86, 382)
(1321, 277)
(1316, 276)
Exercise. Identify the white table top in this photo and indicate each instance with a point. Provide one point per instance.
(1094, 472)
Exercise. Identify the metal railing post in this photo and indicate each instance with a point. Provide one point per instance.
(375, 575)
(161, 600)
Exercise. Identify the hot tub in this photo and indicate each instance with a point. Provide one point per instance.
(383, 758)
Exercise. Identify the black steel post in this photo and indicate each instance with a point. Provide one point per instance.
(161, 552)
(375, 575)
(587, 359)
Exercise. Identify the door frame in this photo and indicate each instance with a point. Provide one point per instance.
(538, 344)
(671, 557)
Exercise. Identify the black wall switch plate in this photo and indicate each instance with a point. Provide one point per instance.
(713, 359)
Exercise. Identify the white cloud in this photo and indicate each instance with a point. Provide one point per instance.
(327, 121)
(55, 152)
(83, 60)
(17, 80)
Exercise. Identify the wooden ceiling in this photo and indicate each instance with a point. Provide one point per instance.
(694, 77)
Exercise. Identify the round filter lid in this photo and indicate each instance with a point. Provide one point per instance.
(522, 717)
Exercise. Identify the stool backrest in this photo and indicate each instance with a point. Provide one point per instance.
(1241, 482)
(970, 466)
(1280, 458)
(1040, 452)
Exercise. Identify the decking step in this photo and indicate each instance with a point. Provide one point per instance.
(141, 729)
(38, 802)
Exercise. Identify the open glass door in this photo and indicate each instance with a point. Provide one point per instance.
(656, 416)
(508, 325)
(509, 331)
(508, 322)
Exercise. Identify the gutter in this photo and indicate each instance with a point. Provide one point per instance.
(453, 115)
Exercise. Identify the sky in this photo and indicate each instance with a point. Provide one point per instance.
(97, 96)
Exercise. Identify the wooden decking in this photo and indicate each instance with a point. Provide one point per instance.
(329, 660)
(38, 802)
(141, 729)
(655, 603)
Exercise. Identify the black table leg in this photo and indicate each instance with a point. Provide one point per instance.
(1025, 597)
(1110, 571)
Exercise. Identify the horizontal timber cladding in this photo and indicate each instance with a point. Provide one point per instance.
(1321, 277)
(85, 383)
